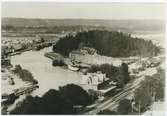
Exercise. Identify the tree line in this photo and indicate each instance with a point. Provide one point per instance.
(108, 43)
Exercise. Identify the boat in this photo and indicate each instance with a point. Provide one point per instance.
(73, 67)
(36, 48)
(15, 53)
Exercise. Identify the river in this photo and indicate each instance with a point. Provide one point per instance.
(49, 77)
(156, 38)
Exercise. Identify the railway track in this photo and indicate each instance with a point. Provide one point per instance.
(112, 102)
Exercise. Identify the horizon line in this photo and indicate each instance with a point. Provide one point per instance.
(78, 18)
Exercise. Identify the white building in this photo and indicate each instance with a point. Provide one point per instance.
(91, 80)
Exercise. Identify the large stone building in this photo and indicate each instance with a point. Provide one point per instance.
(92, 80)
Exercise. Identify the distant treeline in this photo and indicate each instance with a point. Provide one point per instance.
(123, 25)
(48, 29)
(115, 44)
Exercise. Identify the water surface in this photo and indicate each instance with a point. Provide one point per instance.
(49, 77)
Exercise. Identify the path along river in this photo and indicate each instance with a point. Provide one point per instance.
(49, 77)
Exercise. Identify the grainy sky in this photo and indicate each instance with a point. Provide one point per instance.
(55, 10)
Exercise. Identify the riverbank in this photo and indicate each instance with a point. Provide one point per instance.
(34, 47)
(20, 52)
(16, 45)
(14, 87)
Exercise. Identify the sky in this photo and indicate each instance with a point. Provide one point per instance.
(53, 10)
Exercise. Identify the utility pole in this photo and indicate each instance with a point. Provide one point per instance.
(132, 103)
(153, 98)
(139, 108)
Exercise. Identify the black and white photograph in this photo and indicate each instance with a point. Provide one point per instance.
(81, 58)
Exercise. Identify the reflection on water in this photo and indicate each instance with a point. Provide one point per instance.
(49, 77)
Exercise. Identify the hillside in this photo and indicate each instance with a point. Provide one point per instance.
(115, 44)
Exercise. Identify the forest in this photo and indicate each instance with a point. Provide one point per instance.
(107, 43)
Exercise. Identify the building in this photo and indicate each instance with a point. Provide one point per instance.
(94, 59)
(88, 50)
(92, 80)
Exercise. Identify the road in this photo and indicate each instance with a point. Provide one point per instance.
(112, 103)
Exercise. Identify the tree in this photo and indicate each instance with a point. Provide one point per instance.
(75, 94)
(27, 76)
(124, 107)
(109, 70)
(156, 84)
(117, 74)
(93, 69)
(143, 97)
(54, 103)
(151, 90)
(122, 75)
(30, 105)
(159, 79)
(125, 73)
(18, 70)
(24, 74)
(42, 40)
